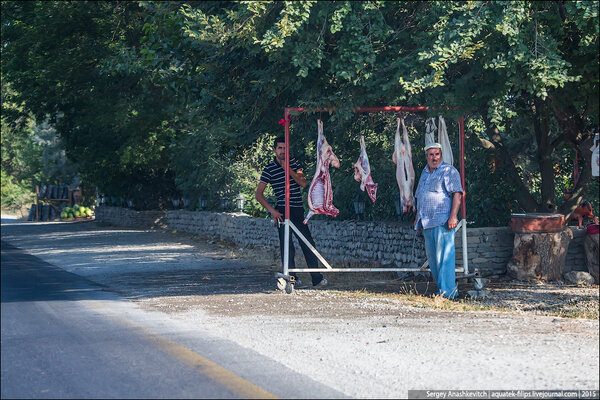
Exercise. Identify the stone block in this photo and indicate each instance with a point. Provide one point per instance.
(579, 278)
(591, 249)
(470, 240)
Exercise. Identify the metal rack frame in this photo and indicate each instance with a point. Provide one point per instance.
(286, 281)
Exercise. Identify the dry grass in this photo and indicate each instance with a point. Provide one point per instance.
(587, 307)
(437, 302)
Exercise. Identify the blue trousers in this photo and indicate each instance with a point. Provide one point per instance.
(439, 245)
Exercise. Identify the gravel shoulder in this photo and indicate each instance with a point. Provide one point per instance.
(363, 336)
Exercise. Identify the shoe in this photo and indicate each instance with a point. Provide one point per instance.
(323, 283)
(298, 283)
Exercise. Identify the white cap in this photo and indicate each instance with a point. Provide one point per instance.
(433, 146)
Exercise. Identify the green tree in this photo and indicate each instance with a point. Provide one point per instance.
(530, 71)
(63, 61)
(156, 96)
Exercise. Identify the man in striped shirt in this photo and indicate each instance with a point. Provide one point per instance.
(274, 174)
(439, 194)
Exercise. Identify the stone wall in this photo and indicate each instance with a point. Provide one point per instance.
(576, 252)
(342, 243)
(487, 248)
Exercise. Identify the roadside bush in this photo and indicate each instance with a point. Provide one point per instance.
(15, 195)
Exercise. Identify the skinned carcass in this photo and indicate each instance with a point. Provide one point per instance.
(320, 192)
(443, 139)
(362, 172)
(405, 173)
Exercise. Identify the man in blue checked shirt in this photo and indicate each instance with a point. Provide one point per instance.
(438, 197)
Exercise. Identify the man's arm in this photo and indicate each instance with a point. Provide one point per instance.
(260, 197)
(453, 220)
(299, 177)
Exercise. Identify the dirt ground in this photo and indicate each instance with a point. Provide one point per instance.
(347, 294)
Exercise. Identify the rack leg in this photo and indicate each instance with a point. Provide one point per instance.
(37, 202)
(286, 246)
(285, 282)
(465, 246)
(310, 246)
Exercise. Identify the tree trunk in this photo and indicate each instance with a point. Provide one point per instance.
(524, 197)
(539, 256)
(575, 131)
(545, 149)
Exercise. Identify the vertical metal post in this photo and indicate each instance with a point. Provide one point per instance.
(37, 202)
(287, 164)
(286, 243)
(461, 124)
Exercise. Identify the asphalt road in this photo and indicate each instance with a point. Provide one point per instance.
(64, 336)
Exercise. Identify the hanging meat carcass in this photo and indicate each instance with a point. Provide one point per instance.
(320, 192)
(405, 173)
(443, 139)
(362, 172)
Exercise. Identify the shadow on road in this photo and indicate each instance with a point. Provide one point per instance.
(27, 278)
(134, 263)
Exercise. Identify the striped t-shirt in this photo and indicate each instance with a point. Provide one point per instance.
(274, 174)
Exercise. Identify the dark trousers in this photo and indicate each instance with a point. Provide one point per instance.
(296, 217)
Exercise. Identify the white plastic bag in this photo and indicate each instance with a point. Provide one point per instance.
(443, 139)
(430, 132)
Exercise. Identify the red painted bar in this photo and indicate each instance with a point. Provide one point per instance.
(287, 164)
(372, 109)
(461, 124)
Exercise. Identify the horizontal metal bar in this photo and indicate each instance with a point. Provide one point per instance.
(361, 270)
(467, 276)
(370, 109)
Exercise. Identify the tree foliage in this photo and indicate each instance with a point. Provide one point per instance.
(529, 69)
(113, 122)
(150, 98)
(31, 154)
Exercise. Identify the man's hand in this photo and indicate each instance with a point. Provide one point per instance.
(452, 222)
(277, 216)
(299, 177)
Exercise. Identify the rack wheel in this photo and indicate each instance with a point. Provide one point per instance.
(478, 283)
(289, 287)
(281, 283)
